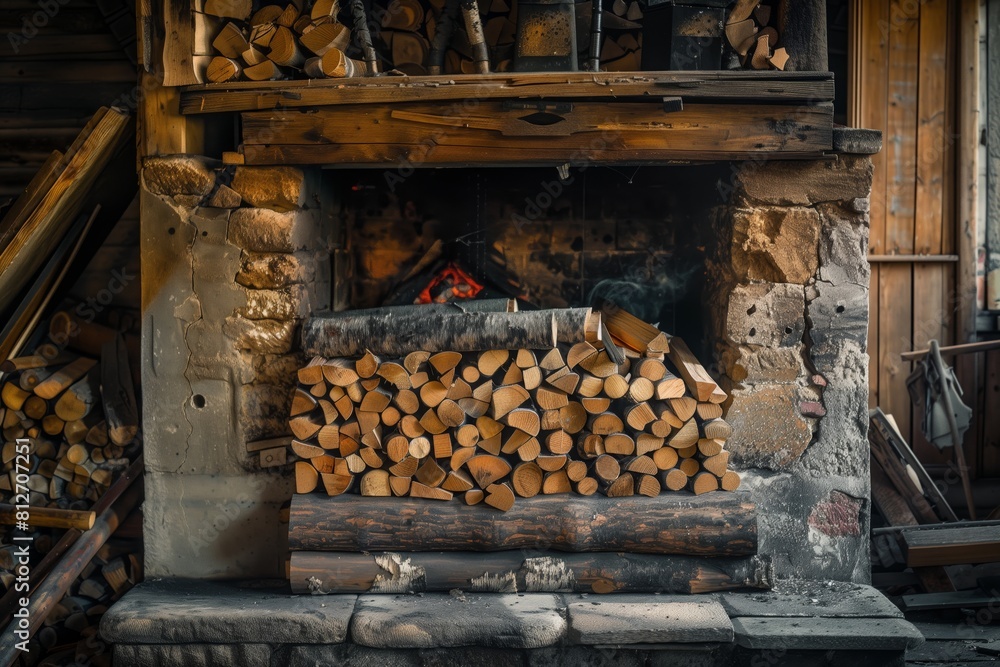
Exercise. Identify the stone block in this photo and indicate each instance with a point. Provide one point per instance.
(225, 197)
(364, 656)
(182, 175)
(192, 655)
(288, 303)
(277, 188)
(794, 183)
(830, 634)
(440, 620)
(837, 314)
(752, 365)
(274, 270)
(648, 619)
(264, 230)
(807, 598)
(186, 611)
(260, 336)
(775, 244)
(843, 247)
(768, 428)
(765, 314)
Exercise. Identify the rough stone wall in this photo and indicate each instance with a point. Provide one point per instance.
(791, 273)
(232, 259)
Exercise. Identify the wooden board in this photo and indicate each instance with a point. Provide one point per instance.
(952, 546)
(528, 572)
(809, 87)
(712, 524)
(373, 135)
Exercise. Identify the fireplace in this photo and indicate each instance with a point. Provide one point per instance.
(759, 263)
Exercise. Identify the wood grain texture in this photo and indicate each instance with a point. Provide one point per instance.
(715, 524)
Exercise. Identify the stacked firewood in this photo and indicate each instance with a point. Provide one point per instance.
(750, 33)
(622, 410)
(70, 427)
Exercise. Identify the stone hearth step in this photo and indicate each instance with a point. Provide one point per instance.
(176, 622)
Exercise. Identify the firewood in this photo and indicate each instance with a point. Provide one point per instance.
(335, 484)
(302, 402)
(740, 35)
(600, 365)
(741, 10)
(418, 490)
(589, 446)
(78, 400)
(717, 429)
(340, 372)
(507, 398)
(710, 447)
(52, 425)
(527, 479)
(674, 479)
(328, 464)
(716, 464)
(355, 463)
(253, 56)
(414, 361)
(651, 369)
(419, 447)
(704, 482)
(319, 390)
(622, 487)
(580, 352)
(432, 393)
(684, 407)
(665, 458)
(559, 442)
(345, 406)
(459, 389)
(530, 450)
(761, 53)
(646, 443)
(419, 379)
(231, 42)
(376, 483)
(685, 436)
(708, 411)
(648, 486)
(304, 427)
(514, 375)
(525, 359)
(288, 16)
(486, 469)
(590, 386)
(306, 451)
(596, 405)
(457, 482)
(639, 416)
(666, 415)
(586, 486)
(523, 420)
(573, 417)
(391, 416)
(223, 70)
(556, 482)
(730, 481)
(371, 457)
(261, 36)
(231, 9)
(324, 10)
(552, 462)
(33, 362)
(397, 447)
(405, 468)
(605, 468)
(491, 361)
(406, 401)
(605, 423)
(547, 398)
(306, 477)
(445, 361)
(355, 391)
(462, 455)
(567, 382)
(689, 467)
(687, 452)
(430, 473)
(552, 361)
(35, 407)
(615, 386)
(779, 58)
(467, 435)
(395, 375)
(702, 386)
(514, 441)
(266, 14)
(670, 387)
(631, 330)
(59, 381)
(432, 423)
(619, 444)
(471, 374)
(410, 51)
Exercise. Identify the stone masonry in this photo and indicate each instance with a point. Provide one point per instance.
(790, 269)
(233, 258)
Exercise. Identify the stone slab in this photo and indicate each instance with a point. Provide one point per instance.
(165, 611)
(826, 599)
(829, 634)
(857, 140)
(440, 620)
(648, 619)
(192, 655)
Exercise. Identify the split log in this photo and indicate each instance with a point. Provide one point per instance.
(223, 70)
(348, 334)
(313, 572)
(701, 384)
(713, 524)
(50, 517)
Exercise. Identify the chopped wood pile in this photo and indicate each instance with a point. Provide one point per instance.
(495, 406)
(284, 40)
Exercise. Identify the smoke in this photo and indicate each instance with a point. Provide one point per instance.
(646, 299)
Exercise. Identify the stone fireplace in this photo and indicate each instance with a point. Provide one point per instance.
(760, 263)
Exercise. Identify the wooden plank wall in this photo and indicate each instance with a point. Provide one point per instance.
(59, 63)
(904, 62)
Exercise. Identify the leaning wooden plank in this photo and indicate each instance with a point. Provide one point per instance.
(701, 384)
(29, 199)
(713, 524)
(952, 546)
(517, 571)
(352, 332)
(29, 312)
(47, 225)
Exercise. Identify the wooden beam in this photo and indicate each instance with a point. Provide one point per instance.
(952, 546)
